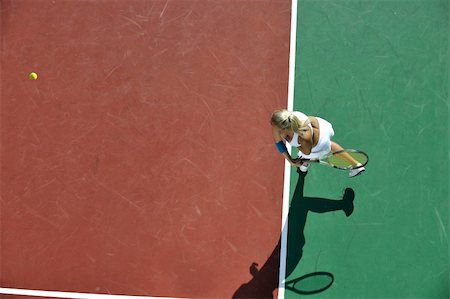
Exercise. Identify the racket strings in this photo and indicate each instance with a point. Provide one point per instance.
(348, 160)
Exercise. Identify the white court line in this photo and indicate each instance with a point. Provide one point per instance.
(287, 166)
(50, 294)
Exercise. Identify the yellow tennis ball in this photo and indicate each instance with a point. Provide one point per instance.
(33, 76)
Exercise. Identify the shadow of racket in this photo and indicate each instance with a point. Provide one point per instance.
(311, 283)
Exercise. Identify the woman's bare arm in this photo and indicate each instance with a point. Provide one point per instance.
(277, 138)
(306, 143)
(306, 138)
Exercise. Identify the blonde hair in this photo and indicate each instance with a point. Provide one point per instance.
(286, 120)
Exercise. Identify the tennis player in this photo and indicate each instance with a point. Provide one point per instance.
(311, 135)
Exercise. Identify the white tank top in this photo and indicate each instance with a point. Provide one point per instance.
(294, 141)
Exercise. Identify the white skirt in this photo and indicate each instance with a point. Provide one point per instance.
(323, 146)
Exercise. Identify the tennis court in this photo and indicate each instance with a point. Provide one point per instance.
(140, 163)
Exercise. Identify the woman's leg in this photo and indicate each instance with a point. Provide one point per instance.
(336, 148)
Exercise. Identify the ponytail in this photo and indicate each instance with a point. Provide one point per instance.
(284, 119)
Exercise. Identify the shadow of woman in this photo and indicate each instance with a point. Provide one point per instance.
(265, 280)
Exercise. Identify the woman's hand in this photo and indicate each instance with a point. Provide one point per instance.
(297, 162)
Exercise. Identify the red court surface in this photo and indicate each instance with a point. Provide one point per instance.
(141, 161)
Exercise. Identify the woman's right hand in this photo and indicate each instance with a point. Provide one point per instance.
(297, 162)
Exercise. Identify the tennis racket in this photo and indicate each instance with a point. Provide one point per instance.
(345, 159)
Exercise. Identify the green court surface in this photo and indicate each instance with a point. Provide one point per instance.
(379, 72)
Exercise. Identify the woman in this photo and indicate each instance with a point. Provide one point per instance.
(311, 135)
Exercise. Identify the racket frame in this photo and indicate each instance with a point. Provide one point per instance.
(324, 158)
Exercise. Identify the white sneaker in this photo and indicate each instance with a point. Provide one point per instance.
(356, 171)
(304, 167)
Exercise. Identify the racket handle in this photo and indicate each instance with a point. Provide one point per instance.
(308, 160)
